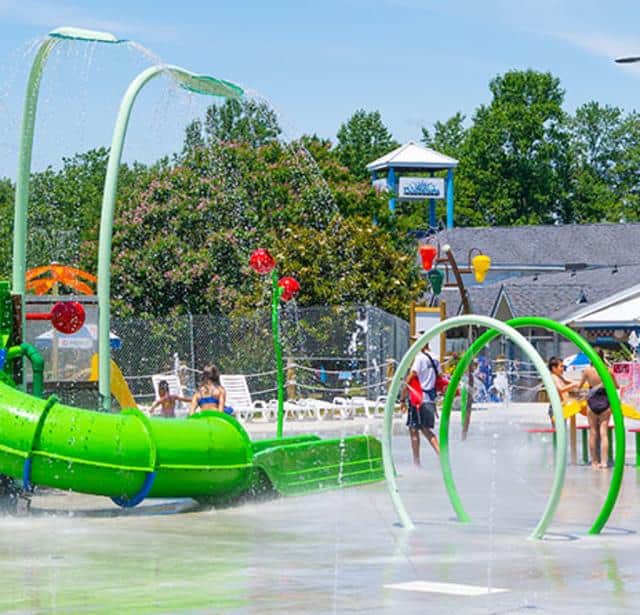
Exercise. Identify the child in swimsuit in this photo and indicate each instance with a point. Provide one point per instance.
(211, 395)
(166, 401)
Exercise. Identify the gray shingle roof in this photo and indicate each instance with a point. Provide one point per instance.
(554, 295)
(557, 295)
(605, 244)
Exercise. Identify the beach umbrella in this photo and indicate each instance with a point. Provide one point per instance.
(576, 361)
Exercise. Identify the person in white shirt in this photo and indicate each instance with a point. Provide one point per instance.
(422, 419)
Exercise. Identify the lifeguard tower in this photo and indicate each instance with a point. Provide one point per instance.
(400, 167)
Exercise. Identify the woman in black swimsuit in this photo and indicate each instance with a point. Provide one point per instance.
(211, 394)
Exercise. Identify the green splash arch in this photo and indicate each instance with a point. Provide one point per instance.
(607, 381)
(499, 327)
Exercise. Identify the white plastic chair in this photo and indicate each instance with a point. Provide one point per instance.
(239, 398)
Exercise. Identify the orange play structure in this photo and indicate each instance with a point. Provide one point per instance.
(40, 280)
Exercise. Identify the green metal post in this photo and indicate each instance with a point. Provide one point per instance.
(464, 392)
(106, 231)
(637, 449)
(37, 364)
(21, 207)
(275, 330)
(530, 352)
(585, 447)
(200, 84)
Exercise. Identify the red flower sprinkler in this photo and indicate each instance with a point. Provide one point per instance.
(283, 289)
(65, 316)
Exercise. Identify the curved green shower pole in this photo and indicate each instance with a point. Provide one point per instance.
(405, 364)
(21, 206)
(200, 84)
(607, 381)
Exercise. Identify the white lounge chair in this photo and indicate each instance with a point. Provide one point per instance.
(371, 408)
(345, 407)
(239, 398)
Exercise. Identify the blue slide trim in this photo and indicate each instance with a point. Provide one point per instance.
(138, 497)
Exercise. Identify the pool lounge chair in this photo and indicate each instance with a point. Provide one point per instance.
(239, 398)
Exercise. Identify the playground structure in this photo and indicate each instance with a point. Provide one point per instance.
(209, 456)
(130, 456)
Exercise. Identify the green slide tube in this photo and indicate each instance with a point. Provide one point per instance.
(609, 385)
(405, 364)
(112, 455)
(130, 456)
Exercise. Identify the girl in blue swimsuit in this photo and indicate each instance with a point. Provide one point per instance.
(211, 394)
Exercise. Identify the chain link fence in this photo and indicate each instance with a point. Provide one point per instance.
(327, 352)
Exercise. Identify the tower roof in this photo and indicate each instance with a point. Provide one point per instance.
(411, 155)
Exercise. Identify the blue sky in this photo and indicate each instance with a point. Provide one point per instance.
(316, 62)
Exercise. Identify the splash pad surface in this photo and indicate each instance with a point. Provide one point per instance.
(343, 551)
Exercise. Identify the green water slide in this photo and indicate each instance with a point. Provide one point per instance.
(130, 456)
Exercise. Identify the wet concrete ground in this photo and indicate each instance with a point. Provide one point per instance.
(343, 552)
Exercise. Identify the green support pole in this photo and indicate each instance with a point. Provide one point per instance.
(200, 84)
(24, 169)
(21, 207)
(405, 364)
(609, 385)
(585, 447)
(37, 364)
(275, 330)
(106, 232)
(464, 393)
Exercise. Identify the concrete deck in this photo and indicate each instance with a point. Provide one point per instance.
(343, 552)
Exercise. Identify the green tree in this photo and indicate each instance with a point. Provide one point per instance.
(448, 137)
(515, 161)
(65, 206)
(6, 226)
(235, 121)
(352, 261)
(598, 147)
(353, 195)
(184, 235)
(362, 139)
(193, 137)
(605, 156)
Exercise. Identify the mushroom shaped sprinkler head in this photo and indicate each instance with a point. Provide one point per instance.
(481, 264)
(67, 316)
(204, 84)
(628, 60)
(427, 254)
(81, 34)
(435, 277)
(261, 261)
(290, 288)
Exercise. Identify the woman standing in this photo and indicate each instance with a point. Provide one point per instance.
(598, 413)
